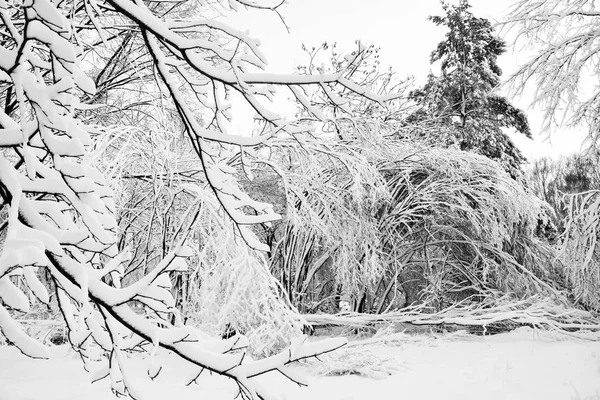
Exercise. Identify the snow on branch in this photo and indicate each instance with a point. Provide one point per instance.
(215, 64)
(563, 36)
(61, 209)
(580, 250)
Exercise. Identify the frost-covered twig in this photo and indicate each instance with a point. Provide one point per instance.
(565, 42)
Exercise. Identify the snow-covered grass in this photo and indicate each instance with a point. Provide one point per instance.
(523, 364)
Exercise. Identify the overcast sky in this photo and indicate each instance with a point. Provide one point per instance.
(404, 34)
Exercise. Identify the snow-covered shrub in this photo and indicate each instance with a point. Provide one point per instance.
(154, 175)
(232, 290)
(328, 248)
(238, 293)
(580, 250)
(467, 226)
(427, 223)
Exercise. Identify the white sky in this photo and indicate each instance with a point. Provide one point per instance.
(405, 36)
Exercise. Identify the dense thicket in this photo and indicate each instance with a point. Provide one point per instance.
(399, 222)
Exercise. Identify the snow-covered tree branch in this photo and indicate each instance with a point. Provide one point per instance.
(564, 68)
(564, 64)
(60, 208)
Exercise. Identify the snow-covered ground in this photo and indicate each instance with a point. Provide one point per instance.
(519, 365)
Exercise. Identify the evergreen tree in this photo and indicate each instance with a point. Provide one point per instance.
(463, 97)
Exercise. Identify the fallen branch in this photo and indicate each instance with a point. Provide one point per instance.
(539, 312)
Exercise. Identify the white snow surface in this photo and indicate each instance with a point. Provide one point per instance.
(524, 364)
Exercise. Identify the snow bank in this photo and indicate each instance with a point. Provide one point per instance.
(516, 365)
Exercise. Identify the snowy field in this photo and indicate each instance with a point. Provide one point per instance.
(519, 365)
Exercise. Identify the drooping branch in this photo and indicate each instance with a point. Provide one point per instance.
(565, 43)
(61, 209)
